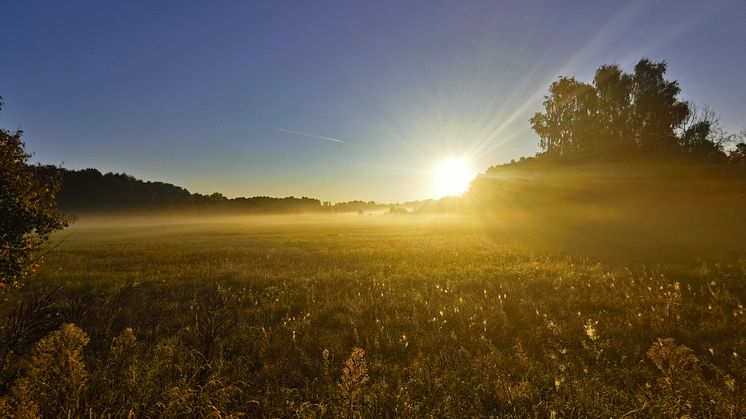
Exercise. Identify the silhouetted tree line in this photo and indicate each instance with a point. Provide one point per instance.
(631, 113)
(90, 191)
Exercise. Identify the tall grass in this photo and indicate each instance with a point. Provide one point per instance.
(358, 318)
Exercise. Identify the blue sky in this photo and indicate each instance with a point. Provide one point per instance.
(210, 95)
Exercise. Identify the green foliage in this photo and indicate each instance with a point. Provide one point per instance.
(28, 210)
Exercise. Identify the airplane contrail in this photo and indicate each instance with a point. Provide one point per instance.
(308, 134)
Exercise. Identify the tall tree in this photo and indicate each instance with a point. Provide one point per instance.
(568, 123)
(657, 113)
(614, 92)
(28, 210)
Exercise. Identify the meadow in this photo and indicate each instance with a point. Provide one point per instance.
(368, 316)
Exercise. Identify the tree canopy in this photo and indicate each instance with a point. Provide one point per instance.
(621, 111)
(28, 210)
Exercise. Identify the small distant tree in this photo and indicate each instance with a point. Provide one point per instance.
(28, 210)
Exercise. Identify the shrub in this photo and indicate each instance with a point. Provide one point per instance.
(54, 378)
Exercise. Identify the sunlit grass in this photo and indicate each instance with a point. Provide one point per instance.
(381, 316)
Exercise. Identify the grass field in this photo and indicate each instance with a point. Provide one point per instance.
(372, 316)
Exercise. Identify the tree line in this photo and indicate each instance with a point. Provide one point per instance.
(90, 191)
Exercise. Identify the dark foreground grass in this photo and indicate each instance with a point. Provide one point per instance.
(367, 316)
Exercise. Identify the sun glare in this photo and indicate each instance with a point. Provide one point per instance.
(451, 177)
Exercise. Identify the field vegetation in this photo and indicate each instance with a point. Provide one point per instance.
(370, 316)
(604, 277)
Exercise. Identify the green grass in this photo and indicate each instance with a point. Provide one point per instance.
(258, 316)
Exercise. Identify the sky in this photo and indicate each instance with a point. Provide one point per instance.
(337, 100)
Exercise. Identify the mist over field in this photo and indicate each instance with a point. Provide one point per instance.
(549, 288)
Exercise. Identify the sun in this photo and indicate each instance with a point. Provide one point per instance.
(451, 177)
